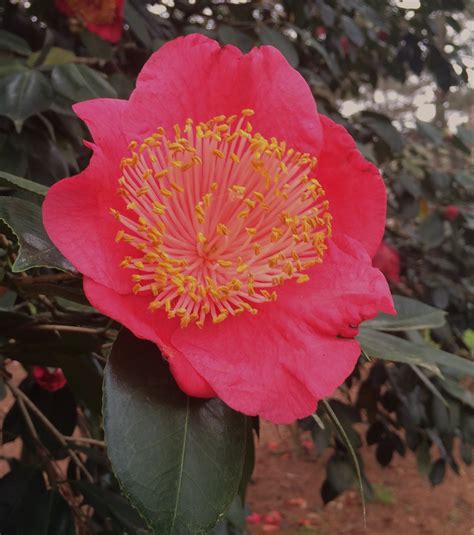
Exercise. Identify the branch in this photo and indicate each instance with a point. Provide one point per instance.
(85, 440)
(20, 395)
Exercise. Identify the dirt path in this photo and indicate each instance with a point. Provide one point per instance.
(406, 504)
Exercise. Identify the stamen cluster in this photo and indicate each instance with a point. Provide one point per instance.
(220, 217)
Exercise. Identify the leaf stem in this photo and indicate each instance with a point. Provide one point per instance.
(352, 453)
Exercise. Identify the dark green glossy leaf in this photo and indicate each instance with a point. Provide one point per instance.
(352, 30)
(22, 183)
(423, 458)
(381, 125)
(231, 36)
(179, 459)
(80, 82)
(340, 473)
(108, 504)
(12, 66)
(36, 249)
(431, 231)
(273, 37)
(437, 472)
(430, 132)
(328, 15)
(458, 392)
(138, 25)
(411, 314)
(28, 508)
(24, 94)
(388, 347)
(55, 56)
(96, 46)
(84, 379)
(14, 43)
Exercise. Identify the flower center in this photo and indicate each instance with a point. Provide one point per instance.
(220, 217)
(93, 11)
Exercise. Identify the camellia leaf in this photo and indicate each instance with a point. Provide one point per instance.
(411, 314)
(22, 183)
(36, 249)
(389, 347)
(269, 36)
(14, 43)
(231, 36)
(55, 56)
(430, 132)
(24, 94)
(179, 459)
(80, 82)
(352, 30)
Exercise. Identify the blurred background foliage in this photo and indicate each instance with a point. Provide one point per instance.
(398, 75)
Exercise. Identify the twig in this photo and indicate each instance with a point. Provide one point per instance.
(19, 394)
(85, 440)
(40, 279)
(67, 328)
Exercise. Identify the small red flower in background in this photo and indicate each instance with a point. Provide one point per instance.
(344, 42)
(102, 17)
(253, 518)
(227, 221)
(50, 379)
(451, 212)
(387, 259)
(320, 32)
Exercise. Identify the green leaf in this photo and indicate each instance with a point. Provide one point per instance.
(108, 504)
(381, 125)
(80, 82)
(231, 36)
(423, 458)
(179, 459)
(458, 392)
(389, 347)
(96, 46)
(24, 94)
(14, 43)
(350, 448)
(340, 473)
(352, 30)
(431, 231)
(272, 37)
(430, 132)
(28, 508)
(437, 472)
(22, 183)
(35, 248)
(55, 56)
(138, 25)
(411, 314)
(11, 66)
(328, 15)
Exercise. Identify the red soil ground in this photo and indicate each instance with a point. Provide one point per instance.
(289, 483)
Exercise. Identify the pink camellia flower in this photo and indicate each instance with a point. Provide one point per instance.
(227, 221)
(451, 212)
(50, 379)
(387, 259)
(102, 17)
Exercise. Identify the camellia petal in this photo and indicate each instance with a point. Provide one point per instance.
(353, 185)
(194, 77)
(132, 311)
(218, 220)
